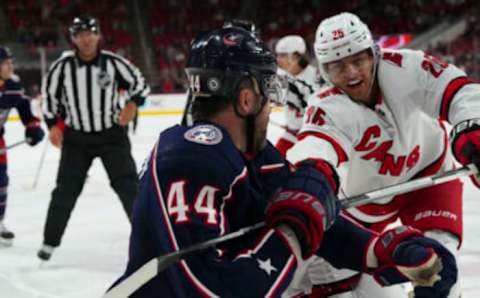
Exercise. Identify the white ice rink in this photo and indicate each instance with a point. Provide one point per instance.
(94, 248)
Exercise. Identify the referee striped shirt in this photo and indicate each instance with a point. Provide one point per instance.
(90, 95)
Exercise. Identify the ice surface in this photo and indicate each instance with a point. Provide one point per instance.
(94, 248)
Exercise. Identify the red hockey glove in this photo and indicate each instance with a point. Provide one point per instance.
(404, 254)
(307, 204)
(465, 139)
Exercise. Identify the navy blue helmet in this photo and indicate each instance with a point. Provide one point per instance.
(5, 53)
(245, 24)
(221, 59)
(84, 23)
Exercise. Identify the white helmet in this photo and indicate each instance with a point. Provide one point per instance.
(341, 36)
(290, 44)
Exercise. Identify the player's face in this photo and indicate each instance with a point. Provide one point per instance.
(6, 69)
(353, 75)
(261, 126)
(87, 44)
(283, 61)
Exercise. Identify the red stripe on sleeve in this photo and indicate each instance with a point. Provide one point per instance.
(449, 94)
(342, 156)
(435, 166)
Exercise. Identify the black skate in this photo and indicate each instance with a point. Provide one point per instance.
(6, 236)
(45, 253)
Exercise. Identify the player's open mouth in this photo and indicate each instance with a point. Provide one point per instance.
(354, 84)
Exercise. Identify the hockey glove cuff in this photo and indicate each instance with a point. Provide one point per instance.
(404, 254)
(465, 139)
(326, 169)
(307, 204)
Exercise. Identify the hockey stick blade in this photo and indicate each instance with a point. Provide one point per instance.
(148, 271)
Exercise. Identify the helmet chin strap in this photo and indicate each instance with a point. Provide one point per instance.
(376, 58)
(250, 119)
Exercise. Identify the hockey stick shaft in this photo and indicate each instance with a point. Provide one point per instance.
(3, 150)
(276, 123)
(40, 165)
(186, 117)
(408, 186)
(158, 264)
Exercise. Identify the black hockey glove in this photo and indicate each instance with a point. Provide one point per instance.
(34, 133)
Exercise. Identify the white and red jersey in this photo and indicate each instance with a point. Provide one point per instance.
(402, 137)
(300, 88)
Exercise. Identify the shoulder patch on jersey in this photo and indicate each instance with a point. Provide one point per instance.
(205, 134)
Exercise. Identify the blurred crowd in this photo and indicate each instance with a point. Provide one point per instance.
(173, 23)
(465, 50)
(45, 22)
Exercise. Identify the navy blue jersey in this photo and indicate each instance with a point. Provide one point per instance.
(195, 186)
(12, 95)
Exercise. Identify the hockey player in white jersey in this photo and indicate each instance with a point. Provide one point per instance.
(303, 81)
(378, 123)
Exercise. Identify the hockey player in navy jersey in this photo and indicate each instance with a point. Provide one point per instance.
(221, 174)
(12, 96)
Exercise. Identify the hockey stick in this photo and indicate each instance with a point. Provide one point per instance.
(153, 267)
(276, 123)
(3, 150)
(40, 165)
(187, 110)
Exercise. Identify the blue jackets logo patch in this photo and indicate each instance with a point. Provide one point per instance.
(204, 134)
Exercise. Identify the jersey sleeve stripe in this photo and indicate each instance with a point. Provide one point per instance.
(435, 166)
(279, 284)
(160, 199)
(341, 154)
(449, 94)
(260, 243)
(271, 168)
(201, 288)
(227, 197)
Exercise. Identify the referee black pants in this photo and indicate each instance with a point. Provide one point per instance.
(79, 149)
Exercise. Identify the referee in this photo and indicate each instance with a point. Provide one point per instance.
(86, 117)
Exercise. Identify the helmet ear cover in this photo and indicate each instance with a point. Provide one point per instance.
(221, 59)
(226, 84)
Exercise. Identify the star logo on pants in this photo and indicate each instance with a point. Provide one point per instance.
(266, 265)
